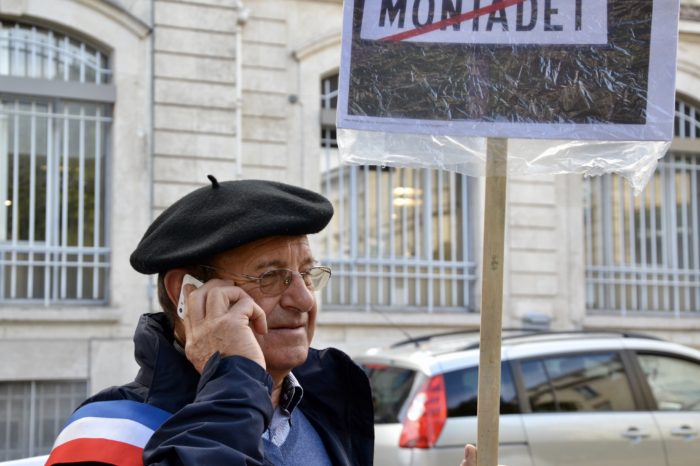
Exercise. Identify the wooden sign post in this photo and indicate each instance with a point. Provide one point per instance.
(488, 407)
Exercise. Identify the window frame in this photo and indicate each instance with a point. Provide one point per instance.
(653, 282)
(59, 94)
(449, 280)
(32, 416)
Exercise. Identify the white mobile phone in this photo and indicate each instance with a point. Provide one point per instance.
(182, 303)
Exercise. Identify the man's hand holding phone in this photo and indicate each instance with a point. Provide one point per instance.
(219, 317)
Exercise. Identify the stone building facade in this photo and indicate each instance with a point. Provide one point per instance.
(245, 89)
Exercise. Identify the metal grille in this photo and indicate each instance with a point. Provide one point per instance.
(329, 103)
(643, 253)
(400, 238)
(28, 51)
(329, 92)
(32, 414)
(687, 124)
(53, 235)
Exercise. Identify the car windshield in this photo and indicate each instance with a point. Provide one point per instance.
(390, 388)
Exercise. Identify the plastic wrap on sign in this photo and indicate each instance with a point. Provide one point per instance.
(634, 160)
(577, 87)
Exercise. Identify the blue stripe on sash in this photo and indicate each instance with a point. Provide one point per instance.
(148, 415)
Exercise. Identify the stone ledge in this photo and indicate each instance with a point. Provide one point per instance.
(448, 320)
(637, 322)
(57, 314)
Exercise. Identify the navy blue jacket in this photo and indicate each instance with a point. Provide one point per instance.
(218, 418)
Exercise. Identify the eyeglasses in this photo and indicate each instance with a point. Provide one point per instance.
(275, 282)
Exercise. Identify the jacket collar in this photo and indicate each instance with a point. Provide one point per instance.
(170, 379)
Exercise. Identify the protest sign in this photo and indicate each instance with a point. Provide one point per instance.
(548, 69)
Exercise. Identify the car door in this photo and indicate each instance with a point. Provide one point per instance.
(674, 383)
(584, 411)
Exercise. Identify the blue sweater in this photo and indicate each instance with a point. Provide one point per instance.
(302, 447)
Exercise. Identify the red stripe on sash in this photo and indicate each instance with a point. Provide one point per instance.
(96, 449)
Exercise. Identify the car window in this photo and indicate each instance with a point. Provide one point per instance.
(580, 382)
(539, 390)
(390, 388)
(461, 387)
(674, 382)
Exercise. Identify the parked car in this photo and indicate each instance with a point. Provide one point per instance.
(567, 399)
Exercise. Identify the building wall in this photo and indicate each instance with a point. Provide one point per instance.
(195, 101)
(544, 262)
(215, 86)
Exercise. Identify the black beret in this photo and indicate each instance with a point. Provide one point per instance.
(225, 215)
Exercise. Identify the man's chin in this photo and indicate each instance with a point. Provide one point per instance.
(287, 359)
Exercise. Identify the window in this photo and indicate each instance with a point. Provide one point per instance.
(33, 413)
(329, 103)
(584, 382)
(53, 163)
(643, 253)
(390, 389)
(674, 382)
(461, 387)
(32, 52)
(400, 238)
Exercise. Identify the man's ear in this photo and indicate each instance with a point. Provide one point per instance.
(173, 282)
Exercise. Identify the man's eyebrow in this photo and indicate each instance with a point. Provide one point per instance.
(276, 263)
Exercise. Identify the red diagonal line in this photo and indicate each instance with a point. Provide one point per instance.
(451, 21)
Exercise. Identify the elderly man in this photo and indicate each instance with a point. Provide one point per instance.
(227, 375)
(234, 381)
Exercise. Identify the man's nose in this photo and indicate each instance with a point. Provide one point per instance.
(298, 295)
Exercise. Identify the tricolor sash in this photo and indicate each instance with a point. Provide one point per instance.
(113, 432)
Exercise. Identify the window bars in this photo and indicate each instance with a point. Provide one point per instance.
(33, 413)
(29, 51)
(54, 242)
(53, 235)
(400, 239)
(643, 253)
